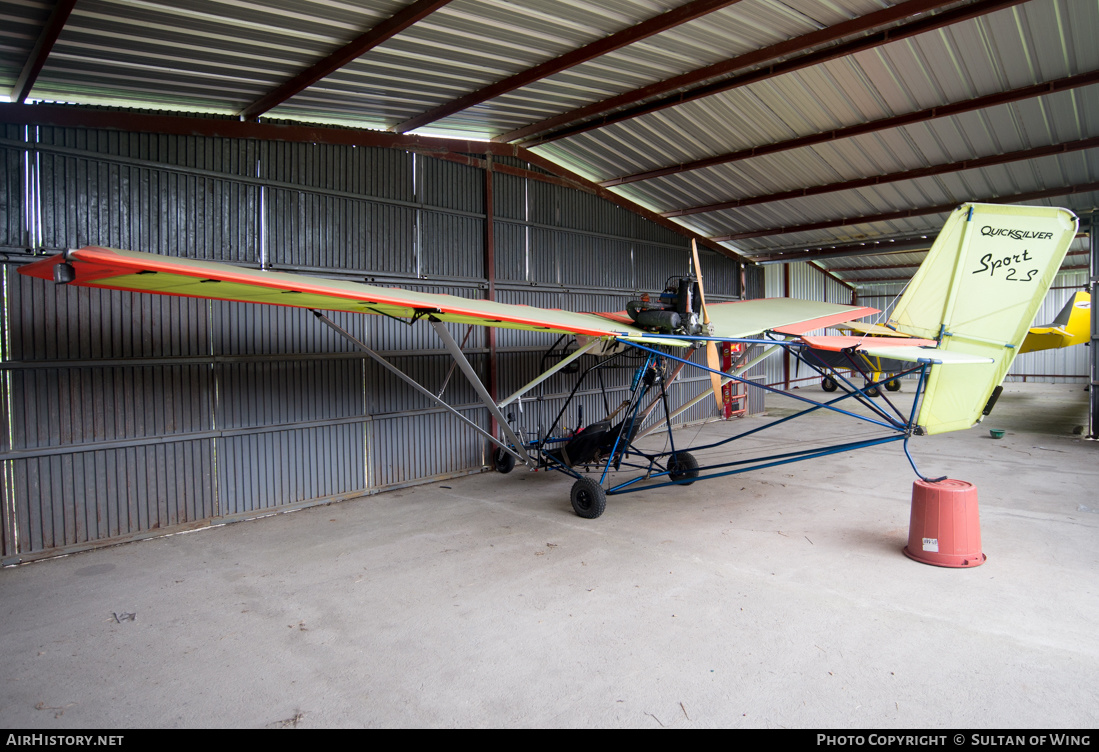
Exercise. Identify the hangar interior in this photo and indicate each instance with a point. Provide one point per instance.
(551, 154)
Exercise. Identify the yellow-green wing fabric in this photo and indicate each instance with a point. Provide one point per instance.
(146, 272)
(747, 318)
(135, 271)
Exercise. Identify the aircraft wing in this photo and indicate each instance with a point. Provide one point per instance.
(115, 269)
(746, 318)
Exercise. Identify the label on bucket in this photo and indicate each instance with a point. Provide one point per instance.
(931, 544)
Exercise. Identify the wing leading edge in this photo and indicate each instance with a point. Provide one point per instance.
(135, 271)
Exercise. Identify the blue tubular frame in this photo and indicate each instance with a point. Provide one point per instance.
(898, 426)
(764, 462)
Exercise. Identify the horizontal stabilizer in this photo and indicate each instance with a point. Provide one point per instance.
(861, 344)
(908, 349)
(874, 330)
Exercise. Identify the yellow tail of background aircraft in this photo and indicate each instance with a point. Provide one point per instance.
(1071, 327)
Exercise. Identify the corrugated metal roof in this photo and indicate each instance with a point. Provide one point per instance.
(223, 55)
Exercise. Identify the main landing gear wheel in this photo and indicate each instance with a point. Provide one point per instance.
(683, 466)
(504, 462)
(589, 500)
(828, 384)
(893, 385)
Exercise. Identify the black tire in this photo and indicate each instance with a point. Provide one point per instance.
(828, 384)
(504, 462)
(683, 466)
(893, 385)
(873, 392)
(589, 500)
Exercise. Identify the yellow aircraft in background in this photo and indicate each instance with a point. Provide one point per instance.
(1071, 327)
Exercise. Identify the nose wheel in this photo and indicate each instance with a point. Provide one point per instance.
(589, 500)
(504, 462)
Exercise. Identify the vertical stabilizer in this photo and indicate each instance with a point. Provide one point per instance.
(977, 293)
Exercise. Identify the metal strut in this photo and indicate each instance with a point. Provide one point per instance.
(474, 380)
(518, 451)
(584, 350)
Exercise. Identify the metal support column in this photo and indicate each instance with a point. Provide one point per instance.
(1093, 287)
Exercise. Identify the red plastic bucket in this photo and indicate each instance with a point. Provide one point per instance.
(945, 528)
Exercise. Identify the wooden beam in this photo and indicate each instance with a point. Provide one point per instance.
(456, 150)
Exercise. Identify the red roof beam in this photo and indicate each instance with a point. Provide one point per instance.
(922, 172)
(363, 43)
(868, 248)
(899, 121)
(864, 248)
(765, 58)
(919, 212)
(635, 33)
(442, 148)
(42, 48)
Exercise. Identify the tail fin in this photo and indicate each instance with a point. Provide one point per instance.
(1071, 327)
(977, 293)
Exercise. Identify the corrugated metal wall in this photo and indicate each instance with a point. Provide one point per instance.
(128, 415)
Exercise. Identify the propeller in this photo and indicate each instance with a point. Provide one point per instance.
(712, 359)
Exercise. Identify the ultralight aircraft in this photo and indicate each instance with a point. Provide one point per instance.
(958, 327)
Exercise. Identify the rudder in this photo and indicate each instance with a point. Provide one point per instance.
(977, 292)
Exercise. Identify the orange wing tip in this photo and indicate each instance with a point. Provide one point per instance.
(804, 327)
(836, 344)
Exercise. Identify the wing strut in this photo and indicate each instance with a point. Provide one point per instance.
(475, 381)
(518, 451)
(531, 384)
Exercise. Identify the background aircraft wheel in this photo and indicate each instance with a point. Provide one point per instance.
(893, 385)
(828, 384)
(589, 500)
(873, 392)
(682, 465)
(503, 461)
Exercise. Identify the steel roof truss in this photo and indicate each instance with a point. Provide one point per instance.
(42, 47)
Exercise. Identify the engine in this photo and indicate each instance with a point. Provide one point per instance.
(676, 310)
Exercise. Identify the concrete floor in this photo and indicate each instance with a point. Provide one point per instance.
(778, 598)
